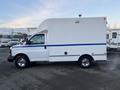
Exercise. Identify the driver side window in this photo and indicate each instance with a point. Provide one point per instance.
(38, 39)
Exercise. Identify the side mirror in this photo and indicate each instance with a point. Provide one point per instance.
(28, 41)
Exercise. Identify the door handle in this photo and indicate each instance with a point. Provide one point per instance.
(45, 47)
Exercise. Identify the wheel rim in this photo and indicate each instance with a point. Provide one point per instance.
(85, 62)
(21, 62)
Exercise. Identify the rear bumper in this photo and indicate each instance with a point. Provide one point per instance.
(10, 59)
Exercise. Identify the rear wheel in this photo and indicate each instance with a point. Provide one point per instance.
(85, 61)
(22, 61)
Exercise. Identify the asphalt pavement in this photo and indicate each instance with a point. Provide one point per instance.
(60, 76)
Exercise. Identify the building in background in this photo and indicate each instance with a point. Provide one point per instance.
(12, 34)
(16, 31)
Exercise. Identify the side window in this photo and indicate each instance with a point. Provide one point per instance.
(38, 39)
(114, 35)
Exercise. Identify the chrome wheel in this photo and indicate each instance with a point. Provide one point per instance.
(21, 62)
(85, 62)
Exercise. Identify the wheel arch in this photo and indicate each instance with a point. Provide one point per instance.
(22, 54)
(86, 55)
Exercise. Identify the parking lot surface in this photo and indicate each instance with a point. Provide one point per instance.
(60, 76)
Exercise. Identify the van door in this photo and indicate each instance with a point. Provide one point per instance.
(37, 48)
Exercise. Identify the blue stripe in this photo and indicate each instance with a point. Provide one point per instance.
(87, 44)
(58, 45)
(63, 55)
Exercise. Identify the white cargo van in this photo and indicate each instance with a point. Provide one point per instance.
(61, 40)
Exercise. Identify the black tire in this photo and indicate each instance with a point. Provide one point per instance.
(85, 61)
(21, 61)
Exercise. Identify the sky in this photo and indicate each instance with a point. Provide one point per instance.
(30, 13)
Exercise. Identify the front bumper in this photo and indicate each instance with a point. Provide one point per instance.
(10, 58)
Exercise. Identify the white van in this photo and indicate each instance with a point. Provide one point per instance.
(61, 40)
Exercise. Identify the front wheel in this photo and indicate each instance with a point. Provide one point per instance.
(22, 61)
(85, 62)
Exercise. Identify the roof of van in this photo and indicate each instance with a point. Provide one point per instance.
(69, 19)
(74, 18)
